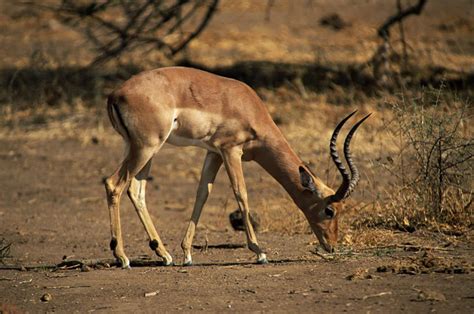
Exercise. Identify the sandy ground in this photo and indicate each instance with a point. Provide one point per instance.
(52, 205)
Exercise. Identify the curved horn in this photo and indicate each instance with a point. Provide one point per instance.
(335, 157)
(347, 155)
(348, 184)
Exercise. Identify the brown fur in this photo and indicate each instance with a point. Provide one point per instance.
(185, 106)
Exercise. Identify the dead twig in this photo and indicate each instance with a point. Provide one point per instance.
(381, 294)
(66, 287)
(151, 294)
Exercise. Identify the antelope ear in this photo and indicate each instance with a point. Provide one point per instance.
(307, 180)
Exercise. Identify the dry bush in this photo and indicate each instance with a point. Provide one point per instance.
(432, 173)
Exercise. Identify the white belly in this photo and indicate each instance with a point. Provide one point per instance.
(183, 141)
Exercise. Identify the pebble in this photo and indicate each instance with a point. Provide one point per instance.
(46, 297)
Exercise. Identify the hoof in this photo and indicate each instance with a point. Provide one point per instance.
(168, 263)
(188, 263)
(262, 259)
(123, 262)
(167, 259)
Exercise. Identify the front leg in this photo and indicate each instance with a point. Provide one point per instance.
(233, 163)
(211, 166)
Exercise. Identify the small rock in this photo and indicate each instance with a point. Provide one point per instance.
(237, 221)
(430, 295)
(46, 297)
(333, 21)
(85, 268)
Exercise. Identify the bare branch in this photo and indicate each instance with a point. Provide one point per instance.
(118, 26)
(384, 30)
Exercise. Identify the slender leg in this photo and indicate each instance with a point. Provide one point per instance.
(114, 185)
(233, 163)
(211, 166)
(136, 193)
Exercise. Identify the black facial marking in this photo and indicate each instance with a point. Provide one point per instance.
(153, 244)
(113, 244)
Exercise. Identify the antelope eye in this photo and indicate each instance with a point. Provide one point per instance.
(329, 211)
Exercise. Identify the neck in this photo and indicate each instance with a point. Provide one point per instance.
(281, 162)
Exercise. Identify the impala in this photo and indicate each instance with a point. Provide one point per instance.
(185, 106)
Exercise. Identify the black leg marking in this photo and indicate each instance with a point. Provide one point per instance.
(113, 243)
(153, 244)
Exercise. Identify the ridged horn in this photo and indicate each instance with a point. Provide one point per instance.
(347, 155)
(337, 161)
(348, 182)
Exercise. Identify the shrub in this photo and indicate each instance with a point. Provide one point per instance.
(433, 170)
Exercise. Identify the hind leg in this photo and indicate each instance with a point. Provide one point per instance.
(136, 159)
(136, 193)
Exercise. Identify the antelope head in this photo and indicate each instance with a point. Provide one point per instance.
(323, 206)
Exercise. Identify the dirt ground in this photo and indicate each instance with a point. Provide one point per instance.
(54, 156)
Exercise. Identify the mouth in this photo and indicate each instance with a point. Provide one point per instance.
(327, 247)
(324, 248)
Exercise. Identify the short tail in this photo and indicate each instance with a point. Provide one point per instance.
(116, 117)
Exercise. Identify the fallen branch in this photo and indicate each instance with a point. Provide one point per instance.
(76, 264)
(139, 262)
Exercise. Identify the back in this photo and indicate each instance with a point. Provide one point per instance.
(203, 106)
